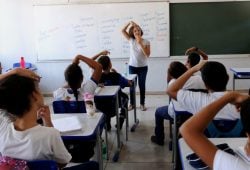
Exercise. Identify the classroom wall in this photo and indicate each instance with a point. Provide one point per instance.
(17, 39)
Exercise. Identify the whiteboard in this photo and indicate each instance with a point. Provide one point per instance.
(63, 31)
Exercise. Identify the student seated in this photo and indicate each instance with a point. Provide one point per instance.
(192, 132)
(74, 90)
(176, 69)
(194, 55)
(111, 77)
(215, 78)
(21, 137)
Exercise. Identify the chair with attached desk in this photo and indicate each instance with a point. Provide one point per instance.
(62, 106)
(179, 118)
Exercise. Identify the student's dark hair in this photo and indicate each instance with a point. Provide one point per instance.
(15, 94)
(245, 115)
(104, 61)
(193, 59)
(176, 69)
(74, 76)
(131, 33)
(215, 76)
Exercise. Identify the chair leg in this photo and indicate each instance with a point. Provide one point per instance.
(127, 125)
(106, 142)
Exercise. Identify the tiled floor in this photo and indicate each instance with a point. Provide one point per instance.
(139, 153)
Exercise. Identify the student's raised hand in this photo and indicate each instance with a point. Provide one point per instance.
(113, 70)
(198, 66)
(105, 52)
(44, 113)
(76, 60)
(237, 98)
(190, 50)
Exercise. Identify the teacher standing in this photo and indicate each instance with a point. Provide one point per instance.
(139, 53)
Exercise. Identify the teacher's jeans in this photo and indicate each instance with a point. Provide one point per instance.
(141, 75)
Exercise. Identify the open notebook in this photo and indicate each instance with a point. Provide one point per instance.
(67, 124)
(241, 152)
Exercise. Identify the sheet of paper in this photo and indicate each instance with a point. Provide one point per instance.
(67, 124)
(241, 152)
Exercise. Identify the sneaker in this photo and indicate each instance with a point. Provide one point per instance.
(156, 141)
(130, 107)
(143, 108)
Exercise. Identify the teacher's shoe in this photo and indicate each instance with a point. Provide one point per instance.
(143, 108)
(130, 107)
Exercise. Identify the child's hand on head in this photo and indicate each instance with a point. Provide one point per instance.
(190, 50)
(105, 52)
(76, 60)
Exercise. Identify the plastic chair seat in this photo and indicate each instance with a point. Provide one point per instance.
(224, 128)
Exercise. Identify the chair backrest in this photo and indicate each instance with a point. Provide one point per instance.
(224, 128)
(106, 105)
(42, 165)
(63, 106)
(27, 65)
(181, 117)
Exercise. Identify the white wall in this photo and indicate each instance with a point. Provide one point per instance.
(17, 39)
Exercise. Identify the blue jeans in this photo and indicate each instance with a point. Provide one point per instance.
(161, 113)
(141, 73)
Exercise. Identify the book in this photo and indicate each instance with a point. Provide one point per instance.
(241, 152)
(67, 124)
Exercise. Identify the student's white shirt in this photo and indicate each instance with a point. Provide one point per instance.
(225, 161)
(194, 82)
(39, 142)
(194, 101)
(137, 57)
(63, 94)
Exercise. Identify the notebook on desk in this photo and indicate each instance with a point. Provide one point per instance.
(241, 152)
(67, 124)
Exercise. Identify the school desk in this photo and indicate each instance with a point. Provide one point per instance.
(184, 149)
(240, 73)
(133, 78)
(90, 130)
(107, 93)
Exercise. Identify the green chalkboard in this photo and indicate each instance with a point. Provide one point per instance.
(215, 27)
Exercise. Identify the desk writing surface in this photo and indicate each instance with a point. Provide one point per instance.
(239, 70)
(107, 91)
(233, 143)
(88, 123)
